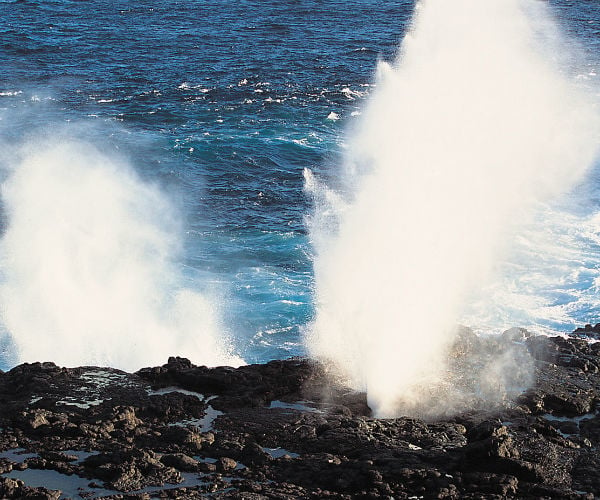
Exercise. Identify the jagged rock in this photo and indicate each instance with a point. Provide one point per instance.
(226, 464)
(253, 454)
(288, 429)
(180, 461)
(14, 488)
(37, 418)
(5, 466)
(187, 438)
(588, 331)
(130, 471)
(125, 418)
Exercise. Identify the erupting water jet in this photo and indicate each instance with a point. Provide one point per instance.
(88, 266)
(471, 127)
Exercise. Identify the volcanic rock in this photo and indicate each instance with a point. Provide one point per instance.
(289, 429)
(588, 331)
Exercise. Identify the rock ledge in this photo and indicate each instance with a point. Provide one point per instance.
(285, 429)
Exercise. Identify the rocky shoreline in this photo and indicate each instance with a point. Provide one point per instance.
(286, 429)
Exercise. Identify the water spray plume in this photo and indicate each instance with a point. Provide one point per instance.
(467, 130)
(88, 266)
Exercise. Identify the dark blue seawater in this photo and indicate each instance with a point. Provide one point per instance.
(223, 103)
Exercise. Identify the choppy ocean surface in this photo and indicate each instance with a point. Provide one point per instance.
(222, 104)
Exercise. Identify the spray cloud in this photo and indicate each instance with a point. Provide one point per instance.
(88, 265)
(468, 130)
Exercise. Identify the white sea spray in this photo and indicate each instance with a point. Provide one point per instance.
(89, 264)
(470, 128)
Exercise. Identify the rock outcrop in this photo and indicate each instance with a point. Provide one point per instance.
(287, 429)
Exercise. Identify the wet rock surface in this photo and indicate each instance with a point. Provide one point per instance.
(285, 429)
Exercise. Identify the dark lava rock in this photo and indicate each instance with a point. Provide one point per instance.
(130, 470)
(589, 331)
(13, 488)
(181, 462)
(289, 429)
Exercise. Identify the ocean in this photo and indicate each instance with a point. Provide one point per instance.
(153, 168)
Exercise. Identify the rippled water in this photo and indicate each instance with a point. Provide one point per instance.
(223, 104)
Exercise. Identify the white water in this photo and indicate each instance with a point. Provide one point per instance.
(468, 132)
(88, 261)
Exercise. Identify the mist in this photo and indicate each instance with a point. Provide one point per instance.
(89, 264)
(470, 128)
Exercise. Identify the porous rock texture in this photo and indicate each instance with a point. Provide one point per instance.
(287, 429)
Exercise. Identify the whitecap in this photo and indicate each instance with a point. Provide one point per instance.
(352, 94)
